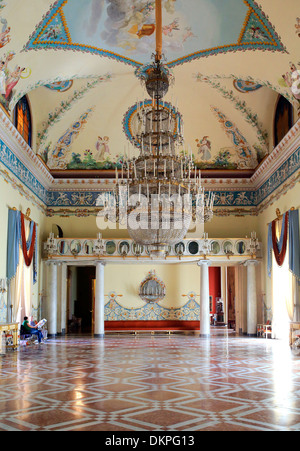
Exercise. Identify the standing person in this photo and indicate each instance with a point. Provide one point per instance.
(33, 330)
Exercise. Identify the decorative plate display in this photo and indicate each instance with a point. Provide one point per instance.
(124, 248)
(179, 248)
(152, 289)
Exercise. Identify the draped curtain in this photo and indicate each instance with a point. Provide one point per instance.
(294, 243)
(21, 263)
(286, 272)
(289, 237)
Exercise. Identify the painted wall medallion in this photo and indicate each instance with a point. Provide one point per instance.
(60, 86)
(152, 289)
(245, 86)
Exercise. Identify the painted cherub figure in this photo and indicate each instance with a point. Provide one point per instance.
(102, 148)
(297, 26)
(168, 29)
(292, 80)
(4, 37)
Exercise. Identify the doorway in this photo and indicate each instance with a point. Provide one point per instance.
(231, 296)
(222, 294)
(217, 316)
(81, 298)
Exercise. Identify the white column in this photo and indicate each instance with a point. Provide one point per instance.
(59, 285)
(241, 304)
(52, 299)
(251, 298)
(99, 301)
(204, 298)
(64, 282)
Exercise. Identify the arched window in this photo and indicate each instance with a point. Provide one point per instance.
(283, 119)
(23, 119)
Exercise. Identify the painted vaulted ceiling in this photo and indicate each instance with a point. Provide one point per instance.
(79, 62)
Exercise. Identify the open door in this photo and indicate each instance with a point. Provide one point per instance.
(93, 305)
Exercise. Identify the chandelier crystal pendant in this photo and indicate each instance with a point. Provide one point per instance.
(159, 193)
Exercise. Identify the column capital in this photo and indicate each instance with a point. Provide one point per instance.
(100, 262)
(251, 262)
(52, 262)
(203, 262)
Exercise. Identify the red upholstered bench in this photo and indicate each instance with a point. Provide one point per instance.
(151, 326)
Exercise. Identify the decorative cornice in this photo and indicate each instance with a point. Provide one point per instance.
(280, 154)
(15, 142)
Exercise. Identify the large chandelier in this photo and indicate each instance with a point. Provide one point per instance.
(159, 193)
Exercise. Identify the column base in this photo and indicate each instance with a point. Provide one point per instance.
(99, 335)
(52, 335)
(252, 335)
(204, 335)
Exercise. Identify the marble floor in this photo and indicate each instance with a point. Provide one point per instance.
(151, 383)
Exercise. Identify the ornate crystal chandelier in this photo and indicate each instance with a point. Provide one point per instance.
(158, 194)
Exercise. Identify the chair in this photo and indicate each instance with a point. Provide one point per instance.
(24, 333)
(264, 330)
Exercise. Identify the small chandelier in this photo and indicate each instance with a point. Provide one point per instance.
(158, 194)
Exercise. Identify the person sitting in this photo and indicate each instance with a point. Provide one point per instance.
(32, 322)
(33, 330)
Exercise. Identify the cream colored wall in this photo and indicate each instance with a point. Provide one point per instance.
(284, 203)
(219, 227)
(9, 198)
(179, 279)
(74, 227)
(231, 226)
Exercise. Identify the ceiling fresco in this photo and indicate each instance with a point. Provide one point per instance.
(125, 30)
(79, 63)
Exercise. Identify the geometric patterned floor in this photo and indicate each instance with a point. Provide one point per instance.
(151, 383)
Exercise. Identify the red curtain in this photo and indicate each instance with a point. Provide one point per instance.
(27, 255)
(279, 256)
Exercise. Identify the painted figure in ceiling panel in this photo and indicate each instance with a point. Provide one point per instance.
(125, 30)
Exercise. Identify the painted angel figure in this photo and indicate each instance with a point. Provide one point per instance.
(4, 33)
(13, 80)
(170, 6)
(4, 72)
(204, 146)
(102, 148)
(188, 34)
(4, 37)
(2, 79)
(297, 26)
(258, 33)
(168, 29)
(292, 79)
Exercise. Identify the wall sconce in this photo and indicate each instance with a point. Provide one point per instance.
(206, 245)
(99, 246)
(51, 246)
(254, 245)
(3, 286)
